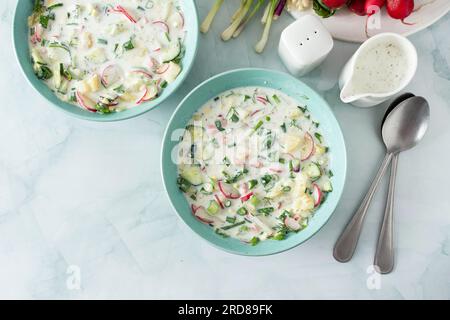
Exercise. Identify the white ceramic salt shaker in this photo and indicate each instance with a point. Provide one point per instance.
(304, 44)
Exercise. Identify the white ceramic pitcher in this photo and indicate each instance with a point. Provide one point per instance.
(369, 99)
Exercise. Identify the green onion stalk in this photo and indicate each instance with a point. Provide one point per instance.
(236, 13)
(210, 17)
(228, 33)
(265, 36)
(248, 18)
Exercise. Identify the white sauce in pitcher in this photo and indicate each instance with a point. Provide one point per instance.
(378, 69)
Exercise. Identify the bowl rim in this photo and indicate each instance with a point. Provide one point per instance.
(344, 161)
(89, 116)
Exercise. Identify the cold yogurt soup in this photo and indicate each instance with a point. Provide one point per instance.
(107, 56)
(254, 165)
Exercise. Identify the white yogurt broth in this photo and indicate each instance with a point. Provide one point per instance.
(378, 69)
(107, 56)
(254, 165)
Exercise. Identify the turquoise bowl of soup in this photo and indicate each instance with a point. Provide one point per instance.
(295, 89)
(21, 33)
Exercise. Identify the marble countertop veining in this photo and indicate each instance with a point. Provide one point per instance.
(83, 213)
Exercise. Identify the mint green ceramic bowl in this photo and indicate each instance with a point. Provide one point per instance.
(263, 78)
(20, 38)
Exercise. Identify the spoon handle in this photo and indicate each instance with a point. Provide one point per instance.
(346, 244)
(384, 257)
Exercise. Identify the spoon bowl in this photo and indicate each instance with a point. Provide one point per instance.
(406, 124)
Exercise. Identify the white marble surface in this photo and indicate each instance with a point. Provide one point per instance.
(75, 194)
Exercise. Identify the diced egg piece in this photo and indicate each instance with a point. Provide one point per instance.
(94, 83)
(116, 28)
(303, 205)
(172, 72)
(301, 183)
(96, 55)
(320, 149)
(291, 142)
(295, 113)
(83, 87)
(86, 40)
(92, 9)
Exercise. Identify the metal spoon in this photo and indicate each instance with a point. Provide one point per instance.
(403, 129)
(384, 256)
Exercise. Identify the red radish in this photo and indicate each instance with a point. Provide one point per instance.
(153, 63)
(334, 4)
(143, 72)
(317, 195)
(148, 94)
(195, 208)
(370, 7)
(110, 75)
(182, 19)
(219, 201)
(228, 191)
(247, 197)
(292, 224)
(358, 7)
(86, 103)
(308, 149)
(400, 9)
(37, 34)
(254, 112)
(163, 68)
(163, 25)
(258, 164)
(276, 169)
(262, 100)
(201, 215)
(121, 9)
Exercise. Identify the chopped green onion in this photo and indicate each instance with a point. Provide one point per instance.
(266, 211)
(242, 211)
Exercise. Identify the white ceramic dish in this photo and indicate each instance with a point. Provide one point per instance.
(347, 26)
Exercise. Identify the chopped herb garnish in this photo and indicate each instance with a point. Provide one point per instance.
(266, 211)
(128, 45)
(303, 109)
(254, 241)
(234, 225)
(258, 125)
(276, 99)
(242, 211)
(230, 219)
(318, 136)
(183, 184)
(218, 124)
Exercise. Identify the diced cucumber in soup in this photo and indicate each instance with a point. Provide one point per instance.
(193, 174)
(196, 132)
(172, 72)
(213, 207)
(327, 186)
(313, 171)
(171, 51)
